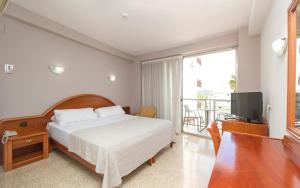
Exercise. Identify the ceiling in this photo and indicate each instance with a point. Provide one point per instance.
(151, 25)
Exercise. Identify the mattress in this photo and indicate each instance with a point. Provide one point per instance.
(116, 145)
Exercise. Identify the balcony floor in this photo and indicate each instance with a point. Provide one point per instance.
(192, 129)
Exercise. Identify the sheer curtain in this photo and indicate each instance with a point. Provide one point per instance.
(161, 87)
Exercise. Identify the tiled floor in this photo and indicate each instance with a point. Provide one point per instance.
(192, 129)
(188, 164)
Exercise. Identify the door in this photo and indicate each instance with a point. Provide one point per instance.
(208, 80)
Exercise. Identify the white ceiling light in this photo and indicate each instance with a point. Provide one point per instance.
(279, 46)
(56, 69)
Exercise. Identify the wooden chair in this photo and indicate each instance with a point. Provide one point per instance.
(147, 111)
(215, 135)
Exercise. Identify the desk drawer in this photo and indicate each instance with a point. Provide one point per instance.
(244, 127)
(27, 141)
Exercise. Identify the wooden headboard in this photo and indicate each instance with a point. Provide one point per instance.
(39, 122)
(78, 101)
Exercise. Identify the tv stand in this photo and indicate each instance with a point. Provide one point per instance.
(234, 125)
(255, 122)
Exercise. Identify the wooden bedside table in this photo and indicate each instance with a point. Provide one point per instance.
(24, 149)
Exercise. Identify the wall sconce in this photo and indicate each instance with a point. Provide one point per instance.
(112, 78)
(56, 69)
(279, 46)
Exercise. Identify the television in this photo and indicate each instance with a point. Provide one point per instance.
(247, 106)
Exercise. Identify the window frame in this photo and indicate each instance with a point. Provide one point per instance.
(291, 85)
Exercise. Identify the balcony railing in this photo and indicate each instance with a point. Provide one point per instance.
(201, 112)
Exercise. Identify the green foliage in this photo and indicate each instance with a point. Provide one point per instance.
(232, 83)
(202, 96)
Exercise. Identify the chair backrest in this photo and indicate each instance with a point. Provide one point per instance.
(186, 108)
(148, 111)
(215, 135)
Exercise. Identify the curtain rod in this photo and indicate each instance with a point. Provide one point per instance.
(207, 51)
(161, 58)
(194, 53)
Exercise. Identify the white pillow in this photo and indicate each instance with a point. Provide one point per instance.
(71, 115)
(53, 119)
(109, 111)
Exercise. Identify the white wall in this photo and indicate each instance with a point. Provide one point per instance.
(274, 69)
(248, 69)
(136, 87)
(32, 88)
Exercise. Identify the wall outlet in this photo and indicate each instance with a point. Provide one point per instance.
(8, 69)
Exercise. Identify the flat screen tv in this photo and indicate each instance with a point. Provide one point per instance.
(247, 106)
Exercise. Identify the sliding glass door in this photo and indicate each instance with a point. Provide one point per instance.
(208, 80)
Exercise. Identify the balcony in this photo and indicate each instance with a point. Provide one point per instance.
(199, 113)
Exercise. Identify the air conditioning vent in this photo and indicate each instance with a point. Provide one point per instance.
(3, 4)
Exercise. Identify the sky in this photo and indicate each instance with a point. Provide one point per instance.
(214, 72)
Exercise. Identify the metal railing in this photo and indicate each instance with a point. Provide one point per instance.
(211, 107)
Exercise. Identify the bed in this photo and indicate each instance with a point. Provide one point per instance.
(112, 146)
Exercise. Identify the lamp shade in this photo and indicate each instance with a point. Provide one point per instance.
(279, 46)
(56, 69)
(112, 78)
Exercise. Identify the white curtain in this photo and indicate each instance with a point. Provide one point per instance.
(161, 87)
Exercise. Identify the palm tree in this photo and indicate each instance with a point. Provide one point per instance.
(232, 83)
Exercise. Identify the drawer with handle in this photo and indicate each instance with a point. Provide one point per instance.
(27, 141)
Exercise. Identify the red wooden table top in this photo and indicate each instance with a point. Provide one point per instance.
(253, 161)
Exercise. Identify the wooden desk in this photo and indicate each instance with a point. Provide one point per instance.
(245, 127)
(253, 161)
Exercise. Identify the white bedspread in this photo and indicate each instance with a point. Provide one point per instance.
(61, 133)
(117, 148)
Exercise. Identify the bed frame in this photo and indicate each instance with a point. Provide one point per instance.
(40, 122)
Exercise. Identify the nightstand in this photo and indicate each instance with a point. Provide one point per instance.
(25, 148)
